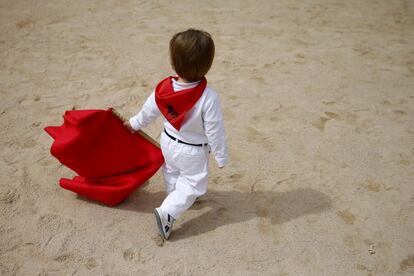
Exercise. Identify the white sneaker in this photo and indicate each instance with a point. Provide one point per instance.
(164, 224)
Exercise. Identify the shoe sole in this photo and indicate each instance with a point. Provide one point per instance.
(158, 219)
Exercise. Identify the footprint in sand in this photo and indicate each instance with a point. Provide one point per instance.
(91, 263)
(404, 159)
(228, 114)
(407, 263)
(159, 241)
(29, 144)
(27, 23)
(263, 227)
(55, 246)
(347, 117)
(261, 211)
(394, 103)
(328, 102)
(300, 59)
(220, 211)
(373, 186)
(26, 102)
(252, 133)
(9, 196)
(235, 177)
(52, 224)
(331, 115)
(216, 179)
(362, 268)
(129, 254)
(254, 136)
(347, 216)
(134, 98)
(320, 123)
(398, 114)
(65, 258)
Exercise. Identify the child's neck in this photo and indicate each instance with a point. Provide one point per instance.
(180, 79)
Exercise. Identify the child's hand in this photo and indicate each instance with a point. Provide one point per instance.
(129, 127)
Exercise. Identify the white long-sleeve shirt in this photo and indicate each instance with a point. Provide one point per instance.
(203, 122)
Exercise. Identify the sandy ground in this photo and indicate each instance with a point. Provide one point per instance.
(318, 99)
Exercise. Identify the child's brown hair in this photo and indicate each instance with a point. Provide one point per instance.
(191, 53)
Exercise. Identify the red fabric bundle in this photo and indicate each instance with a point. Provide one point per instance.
(110, 160)
(174, 105)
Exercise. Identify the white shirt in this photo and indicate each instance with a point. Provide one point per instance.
(203, 123)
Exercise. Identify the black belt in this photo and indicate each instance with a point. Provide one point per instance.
(182, 142)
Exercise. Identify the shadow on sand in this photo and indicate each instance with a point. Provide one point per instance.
(228, 207)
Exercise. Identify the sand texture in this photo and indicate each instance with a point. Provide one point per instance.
(318, 99)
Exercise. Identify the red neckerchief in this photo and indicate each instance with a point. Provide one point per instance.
(174, 105)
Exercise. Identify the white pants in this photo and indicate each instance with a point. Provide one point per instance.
(185, 175)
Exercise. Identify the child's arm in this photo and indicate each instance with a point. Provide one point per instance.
(214, 129)
(148, 113)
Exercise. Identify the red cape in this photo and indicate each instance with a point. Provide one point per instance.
(110, 160)
(175, 105)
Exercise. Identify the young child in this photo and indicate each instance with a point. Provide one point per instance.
(193, 125)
